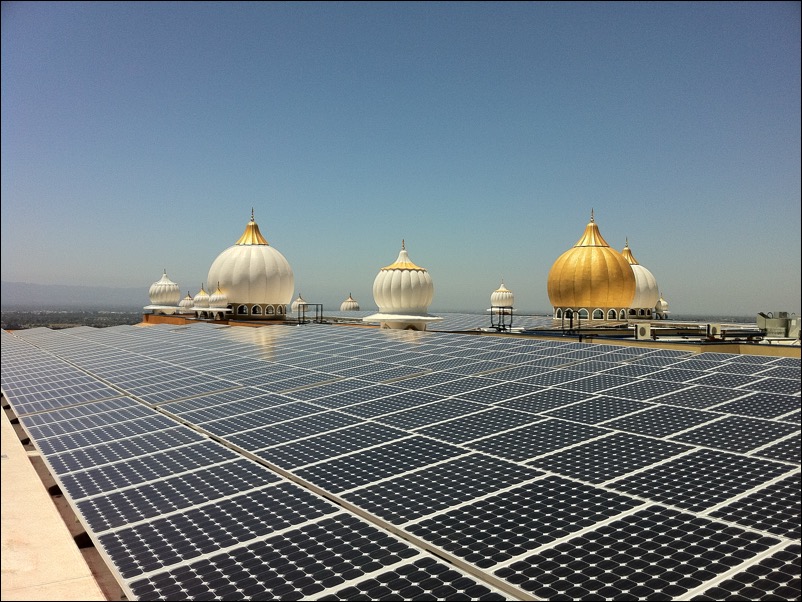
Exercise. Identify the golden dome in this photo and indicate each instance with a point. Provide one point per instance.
(591, 275)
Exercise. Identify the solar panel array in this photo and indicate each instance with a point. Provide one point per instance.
(340, 463)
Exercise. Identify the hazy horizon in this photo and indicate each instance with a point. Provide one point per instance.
(138, 137)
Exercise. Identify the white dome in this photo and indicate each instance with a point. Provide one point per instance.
(349, 304)
(251, 271)
(403, 287)
(218, 299)
(299, 301)
(646, 293)
(502, 297)
(186, 302)
(201, 299)
(661, 306)
(164, 291)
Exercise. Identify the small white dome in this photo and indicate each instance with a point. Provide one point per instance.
(186, 303)
(164, 291)
(502, 297)
(218, 299)
(349, 304)
(201, 299)
(403, 287)
(646, 292)
(299, 301)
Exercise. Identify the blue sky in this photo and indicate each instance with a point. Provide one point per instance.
(137, 137)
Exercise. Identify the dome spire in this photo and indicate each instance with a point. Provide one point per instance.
(403, 262)
(627, 253)
(252, 235)
(592, 237)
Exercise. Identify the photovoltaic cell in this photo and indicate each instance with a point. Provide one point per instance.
(598, 409)
(775, 509)
(206, 529)
(613, 456)
(761, 405)
(536, 439)
(701, 479)
(773, 578)
(430, 413)
(89, 479)
(377, 463)
(328, 445)
(306, 562)
(737, 433)
(157, 497)
(500, 527)
(787, 450)
(652, 554)
(437, 487)
(662, 420)
(478, 425)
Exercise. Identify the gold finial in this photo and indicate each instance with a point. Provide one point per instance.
(252, 214)
(591, 216)
(626, 241)
(402, 244)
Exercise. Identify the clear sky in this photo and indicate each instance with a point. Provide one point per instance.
(138, 136)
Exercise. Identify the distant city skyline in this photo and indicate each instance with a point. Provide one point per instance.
(138, 136)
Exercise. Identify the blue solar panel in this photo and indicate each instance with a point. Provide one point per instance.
(341, 463)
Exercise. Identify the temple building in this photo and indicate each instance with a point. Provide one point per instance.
(252, 280)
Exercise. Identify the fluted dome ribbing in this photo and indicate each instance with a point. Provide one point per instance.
(164, 291)
(187, 302)
(403, 287)
(591, 275)
(349, 304)
(201, 299)
(218, 299)
(251, 271)
(299, 301)
(502, 297)
(646, 291)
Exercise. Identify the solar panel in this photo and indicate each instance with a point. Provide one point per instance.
(330, 463)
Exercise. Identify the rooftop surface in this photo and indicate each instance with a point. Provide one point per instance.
(320, 462)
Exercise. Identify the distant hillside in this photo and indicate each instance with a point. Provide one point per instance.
(14, 295)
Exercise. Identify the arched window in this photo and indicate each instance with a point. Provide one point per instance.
(632, 312)
(569, 313)
(559, 313)
(622, 315)
(280, 309)
(583, 314)
(256, 311)
(611, 314)
(242, 310)
(269, 310)
(598, 314)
